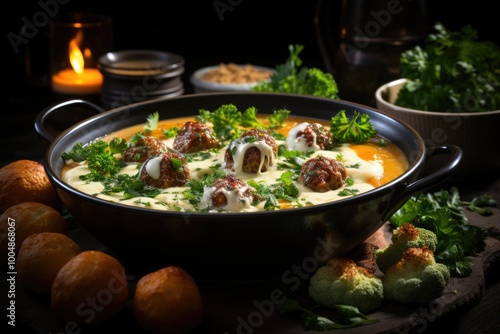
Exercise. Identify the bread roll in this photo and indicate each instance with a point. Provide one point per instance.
(24, 219)
(26, 181)
(89, 289)
(40, 258)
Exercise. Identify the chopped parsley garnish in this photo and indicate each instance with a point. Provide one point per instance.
(293, 160)
(199, 156)
(196, 187)
(348, 192)
(284, 189)
(356, 165)
(170, 133)
(250, 139)
(349, 182)
(131, 186)
(177, 164)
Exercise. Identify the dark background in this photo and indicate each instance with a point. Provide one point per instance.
(252, 31)
(249, 31)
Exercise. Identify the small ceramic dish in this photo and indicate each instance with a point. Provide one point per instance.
(475, 132)
(229, 78)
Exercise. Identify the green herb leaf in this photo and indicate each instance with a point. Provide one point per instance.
(152, 122)
(131, 186)
(291, 78)
(249, 119)
(314, 321)
(481, 205)
(170, 133)
(277, 119)
(99, 156)
(357, 130)
(196, 187)
(228, 120)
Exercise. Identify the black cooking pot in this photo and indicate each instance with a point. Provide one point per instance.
(237, 245)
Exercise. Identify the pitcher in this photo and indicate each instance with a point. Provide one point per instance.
(361, 41)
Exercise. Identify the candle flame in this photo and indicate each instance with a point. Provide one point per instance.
(76, 57)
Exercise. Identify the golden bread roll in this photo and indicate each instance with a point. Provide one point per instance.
(24, 219)
(40, 258)
(89, 289)
(168, 301)
(26, 181)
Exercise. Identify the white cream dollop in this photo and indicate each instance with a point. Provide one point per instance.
(153, 167)
(294, 142)
(238, 148)
(236, 199)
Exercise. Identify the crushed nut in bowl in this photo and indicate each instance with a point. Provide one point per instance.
(229, 77)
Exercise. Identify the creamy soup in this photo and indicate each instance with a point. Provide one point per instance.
(368, 166)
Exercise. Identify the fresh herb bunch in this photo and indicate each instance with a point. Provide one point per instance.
(442, 213)
(290, 77)
(452, 72)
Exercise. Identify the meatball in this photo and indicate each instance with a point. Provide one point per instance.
(230, 193)
(164, 171)
(253, 152)
(309, 137)
(143, 149)
(322, 174)
(195, 137)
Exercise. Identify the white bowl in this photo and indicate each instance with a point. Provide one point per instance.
(204, 86)
(477, 133)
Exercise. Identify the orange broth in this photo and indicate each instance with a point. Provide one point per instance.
(380, 164)
(390, 156)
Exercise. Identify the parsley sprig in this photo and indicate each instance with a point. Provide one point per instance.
(356, 130)
(100, 157)
(228, 122)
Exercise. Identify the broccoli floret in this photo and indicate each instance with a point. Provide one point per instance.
(342, 281)
(416, 278)
(404, 237)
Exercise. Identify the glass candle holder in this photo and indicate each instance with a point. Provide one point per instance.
(77, 40)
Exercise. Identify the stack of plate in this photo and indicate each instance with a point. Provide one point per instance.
(138, 75)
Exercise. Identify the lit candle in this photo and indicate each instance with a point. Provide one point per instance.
(89, 81)
(78, 79)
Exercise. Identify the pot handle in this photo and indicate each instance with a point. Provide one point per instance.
(41, 120)
(429, 181)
